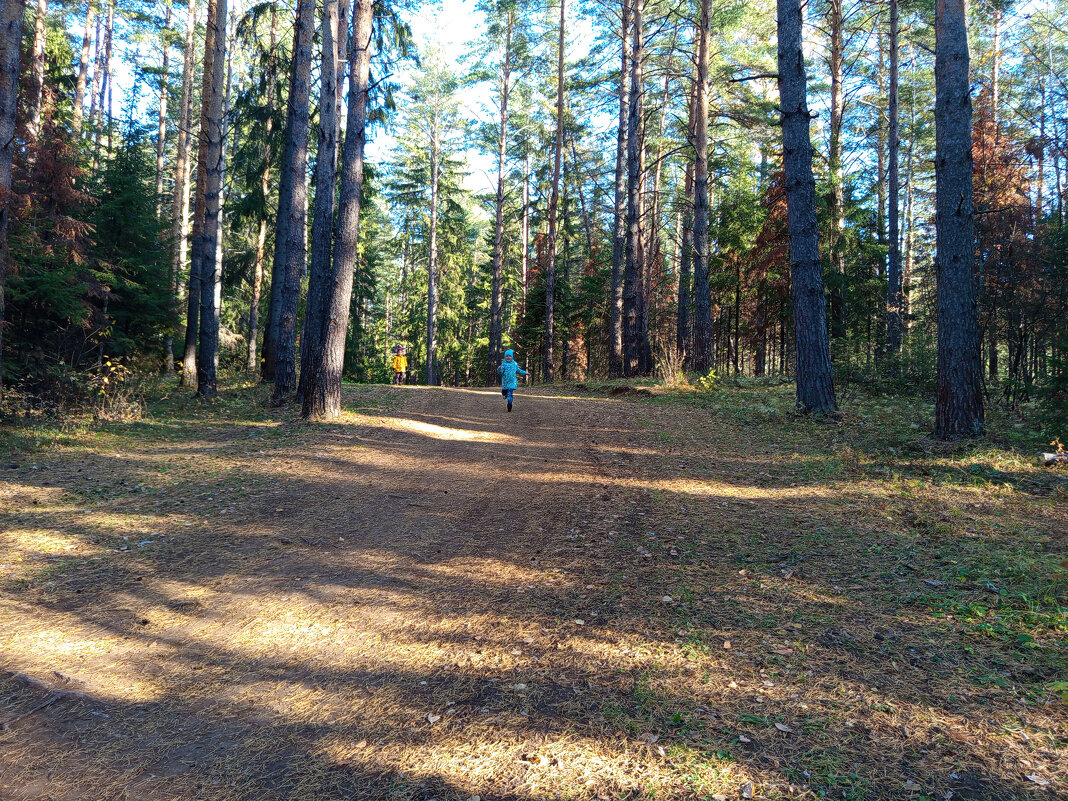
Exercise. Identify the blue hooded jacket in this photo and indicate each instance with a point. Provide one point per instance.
(509, 372)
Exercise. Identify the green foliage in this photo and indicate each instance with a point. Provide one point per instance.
(130, 254)
(709, 382)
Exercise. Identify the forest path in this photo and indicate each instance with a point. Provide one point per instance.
(394, 597)
(431, 598)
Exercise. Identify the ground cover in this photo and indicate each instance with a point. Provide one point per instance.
(606, 594)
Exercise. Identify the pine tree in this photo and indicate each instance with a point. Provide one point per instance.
(815, 386)
(211, 156)
(10, 49)
(959, 399)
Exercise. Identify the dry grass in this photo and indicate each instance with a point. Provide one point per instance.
(677, 597)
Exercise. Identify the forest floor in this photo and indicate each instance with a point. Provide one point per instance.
(656, 594)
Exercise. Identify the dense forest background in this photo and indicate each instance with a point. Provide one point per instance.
(617, 213)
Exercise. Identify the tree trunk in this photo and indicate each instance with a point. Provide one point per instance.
(98, 71)
(880, 150)
(959, 402)
(906, 271)
(565, 275)
(285, 209)
(265, 182)
(893, 273)
(180, 198)
(554, 200)
(653, 258)
(11, 13)
(815, 381)
(702, 309)
(496, 332)
(525, 237)
(683, 335)
(37, 73)
(619, 239)
(1040, 172)
(320, 275)
(432, 266)
(834, 169)
(291, 250)
(104, 73)
(83, 71)
(161, 128)
(992, 282)
(323, 396)
(211, 154)
(197, 268)
(634, 252)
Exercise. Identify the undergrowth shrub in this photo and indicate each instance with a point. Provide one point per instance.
(709, 382)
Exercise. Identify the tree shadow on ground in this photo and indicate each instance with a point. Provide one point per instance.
(546, 606)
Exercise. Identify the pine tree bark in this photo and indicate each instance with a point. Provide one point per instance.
(98, 72)
(893, 274)
(814, 376)
(702, 304)
(285, 208)
(835, 66)
(634, 251)
(161, 127)
(199, 271)
(211, 154)
(432, 265)
(320, 275)
(525, 236)
(992, 282)
(37, 73)
(909, 254)
(322, 400)
(289, 268)
(83, 71)
(496, 330)
(11, 13)
(683, 335)
(959, 400)
(554, 201)
(619, 239)
(265, 182)
(180, 197)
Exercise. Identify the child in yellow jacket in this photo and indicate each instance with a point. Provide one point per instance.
(400, 366)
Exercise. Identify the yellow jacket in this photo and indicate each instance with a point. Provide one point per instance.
(400, 363)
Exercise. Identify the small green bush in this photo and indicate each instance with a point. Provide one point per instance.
(709, 382)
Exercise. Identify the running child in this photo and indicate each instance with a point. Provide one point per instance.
(510, 371)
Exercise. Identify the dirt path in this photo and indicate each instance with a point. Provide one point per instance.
(434, 599)
(376, 613)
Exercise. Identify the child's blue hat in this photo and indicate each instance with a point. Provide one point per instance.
(509, 353)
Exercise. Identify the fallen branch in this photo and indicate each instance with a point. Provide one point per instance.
(54, 695)
(1049, 459)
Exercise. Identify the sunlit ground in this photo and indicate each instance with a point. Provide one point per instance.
(662, 598)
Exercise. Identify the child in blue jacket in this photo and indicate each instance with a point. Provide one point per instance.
(509, 371)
